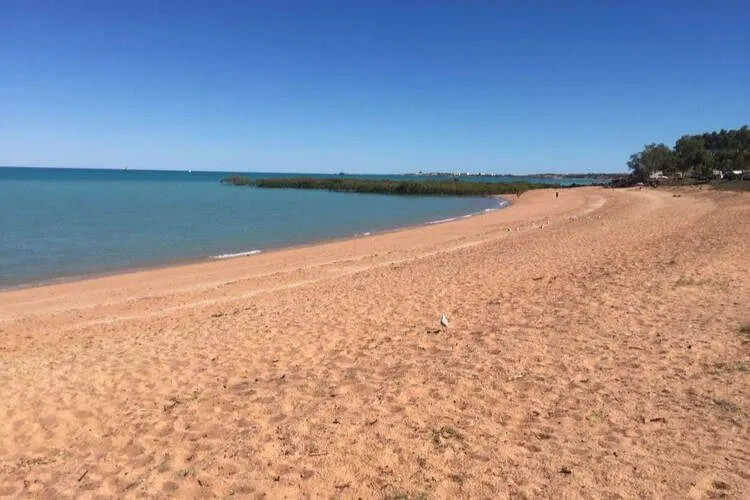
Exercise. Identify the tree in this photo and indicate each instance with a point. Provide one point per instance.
(700, 154)
(636, 166)
(653, 158)
(692, 155)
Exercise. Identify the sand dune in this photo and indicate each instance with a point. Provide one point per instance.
(594, 349)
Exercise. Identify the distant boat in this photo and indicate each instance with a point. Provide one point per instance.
(125, 169)
(190, 171)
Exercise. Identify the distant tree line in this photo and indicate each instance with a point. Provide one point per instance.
(453, 187)
(694, 156)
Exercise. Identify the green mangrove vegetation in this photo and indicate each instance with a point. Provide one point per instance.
(453, 187)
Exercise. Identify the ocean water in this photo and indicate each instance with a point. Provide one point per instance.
(61, 223)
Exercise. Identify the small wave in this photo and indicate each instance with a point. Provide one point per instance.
(234, 255)
(500, 205)
(442, 220)
(366, 233)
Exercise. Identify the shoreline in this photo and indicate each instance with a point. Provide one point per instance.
(503, 201)
(531, 210)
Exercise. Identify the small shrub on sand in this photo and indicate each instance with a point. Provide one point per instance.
(726, 405)
(445, 433)
(406, 496)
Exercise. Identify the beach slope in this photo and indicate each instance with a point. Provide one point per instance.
(598, 345)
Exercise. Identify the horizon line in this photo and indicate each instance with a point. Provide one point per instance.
(417, 172)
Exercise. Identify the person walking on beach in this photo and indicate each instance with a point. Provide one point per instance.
(557, 194)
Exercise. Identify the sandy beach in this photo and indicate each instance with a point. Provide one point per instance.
(595, 348)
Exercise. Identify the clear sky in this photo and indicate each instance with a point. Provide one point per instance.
(514, 87)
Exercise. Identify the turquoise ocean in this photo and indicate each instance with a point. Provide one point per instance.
(65, 223)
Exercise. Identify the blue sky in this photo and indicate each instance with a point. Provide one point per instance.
(506, 87)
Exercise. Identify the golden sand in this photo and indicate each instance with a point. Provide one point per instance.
(594, 349)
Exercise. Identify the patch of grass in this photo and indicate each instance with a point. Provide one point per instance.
(726, 405)
(744, 331)
(405, 496)
(685, 282)
(595, 416)
(731, 367)
(720, 485)
(444, 434)
(398, 496)
(457, 478)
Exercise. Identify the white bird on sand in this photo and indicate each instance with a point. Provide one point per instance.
(443, 321)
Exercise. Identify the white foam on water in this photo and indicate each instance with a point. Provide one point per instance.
(500, 204)
(234, 255)
(442, 220)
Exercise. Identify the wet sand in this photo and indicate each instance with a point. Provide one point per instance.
(595, 348)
